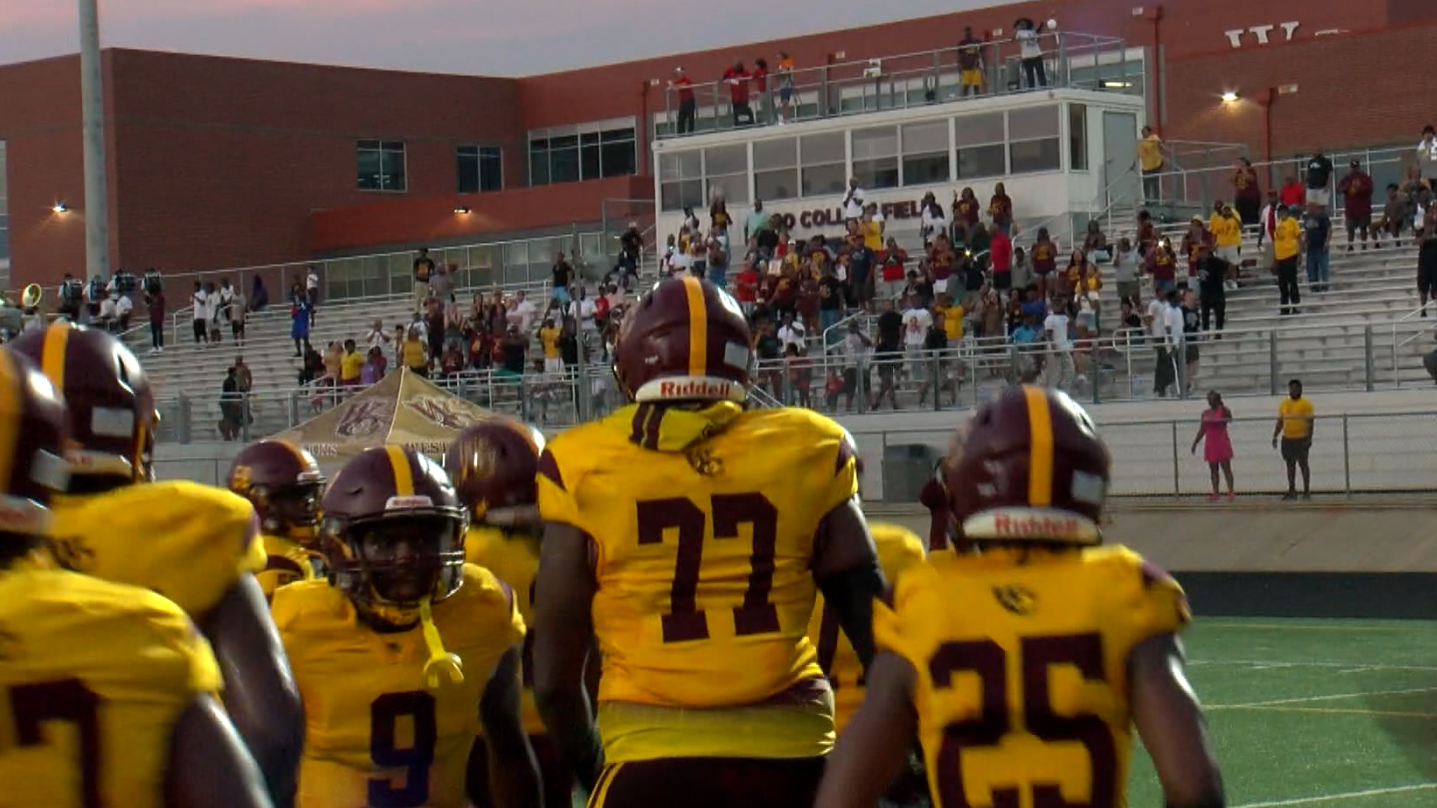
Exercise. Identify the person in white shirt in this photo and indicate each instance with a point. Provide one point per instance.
(311, 292)
(200, 316)
(123, 308)
(853, 200)
(935, 221)
(916, 322)
(1060, 358)
(1267, 229)
(1427, 154)
(377, 336)
(107, 314)
(1030, 53)
(581, 309)
(521, 315)
(227, 300)
(792, 333)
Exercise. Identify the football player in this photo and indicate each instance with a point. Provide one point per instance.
(195, 544)
(688, 534)
(493, 465)
(392, 713)
(108, 688)
(284, 484)
(1023, 666)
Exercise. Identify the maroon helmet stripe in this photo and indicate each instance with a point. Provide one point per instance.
(641, 414)
(651, 428)
(550, 469)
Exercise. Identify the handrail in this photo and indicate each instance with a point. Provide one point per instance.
(1369, 156)
(1420, 311)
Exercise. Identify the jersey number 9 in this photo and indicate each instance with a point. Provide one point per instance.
(989, 662)
(384, 714)
(685, 621)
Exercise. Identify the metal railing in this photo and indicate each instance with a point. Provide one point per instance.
(1350, 453)
(1405, 321)
(850, 87)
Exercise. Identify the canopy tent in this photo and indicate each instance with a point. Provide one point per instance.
(404, 408)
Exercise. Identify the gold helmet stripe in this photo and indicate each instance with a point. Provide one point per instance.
(1040, 450)
(52, 354)
(698, 326)
(403, 474)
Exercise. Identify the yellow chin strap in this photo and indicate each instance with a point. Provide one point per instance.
(440, 661)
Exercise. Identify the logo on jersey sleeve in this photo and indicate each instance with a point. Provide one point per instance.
(1018, 600)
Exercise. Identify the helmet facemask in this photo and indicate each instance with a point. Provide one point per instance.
(291, 512)
(390, 567)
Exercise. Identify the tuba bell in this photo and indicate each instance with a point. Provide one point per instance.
(30, 299)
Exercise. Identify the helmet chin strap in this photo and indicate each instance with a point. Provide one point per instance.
(440, 661)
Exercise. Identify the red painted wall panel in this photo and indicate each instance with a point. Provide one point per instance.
(407, 221)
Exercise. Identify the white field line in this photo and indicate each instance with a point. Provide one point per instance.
(1346, 666)
(1307, 699)
(1346, 795)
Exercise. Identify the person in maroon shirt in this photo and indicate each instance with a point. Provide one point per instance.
(737, 79)
(1247, 192)
(1162, 265)
(1000, 207)
(965, 215)
(940, 258)
(155, 301)
(1045, 259)
(1356, 190)
(687, 104)
(1147, 234)
(1194, 240)
(1292, 193)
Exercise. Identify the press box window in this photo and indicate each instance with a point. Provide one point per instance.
(381, 165)
(480, 168)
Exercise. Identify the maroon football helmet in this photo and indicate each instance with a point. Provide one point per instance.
(1029, 467)
(112, 412)
(284, 483)
(32, 448)
(393, 534)
(686, 340)
(494, 465)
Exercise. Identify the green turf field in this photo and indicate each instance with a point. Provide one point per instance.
(1315, 712)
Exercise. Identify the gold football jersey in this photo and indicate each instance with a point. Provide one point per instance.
(1022, 685)
(189, 542)
(93, 677)
(703, 565)
(898, 549)
(286, 562)
(375, 735)
(514, 559)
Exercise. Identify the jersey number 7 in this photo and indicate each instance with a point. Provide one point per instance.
(685, 621)
(69, 701)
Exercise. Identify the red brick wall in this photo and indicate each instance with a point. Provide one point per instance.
(416, 220)
(1353, 90)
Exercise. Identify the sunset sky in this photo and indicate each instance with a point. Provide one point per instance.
(487, 37)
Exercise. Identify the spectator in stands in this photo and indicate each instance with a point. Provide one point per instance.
(199, 315)
(933, 222)
(856, 347)
(791, 333)
(967, 213)
(1125, 272)
(1191, 326)
(1045, 260)
(155, 304)
(970, 64)
(441, 286)
(373, 368)
(1212, 272)
(1162, 265)
(1267, 231)
(376, 337)
(1147, 235)
(1286, 244)
(311, 290)
(1295, 424)
(830, 300)
(688, 104)
(298, 326)
(1427, 262)
(549, 341)
(213, 308)
(1317, 244)
(785, 86)
(1293, 192)
(1000, 209)
(94, 297)
(1394, 216)
(893, 272)
(259, 295)
(1356, 189)
(231, 407)
(1217, 444)
(737, 79)
(434, 328)
(563, 277)
(1319, 179)
(123, 307)
(1157, 324)
(853, 200)
(397, 341)
(514, 348)
(1194, 239)
(1227, 237)
(1419, 198)
(415, 353)
(423, 271)
(1057, 330)
(1095, 244)
(1427, 155)
(350, 364)
(1247, 192)
(1151, 163)
(1000, 256)
(1030, 53)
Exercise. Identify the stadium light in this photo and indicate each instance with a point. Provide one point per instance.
(60, 208)
(1229, 97)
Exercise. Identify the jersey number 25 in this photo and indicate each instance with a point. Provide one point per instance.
(685, 621)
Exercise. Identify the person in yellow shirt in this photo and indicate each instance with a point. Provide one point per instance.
(1226, 229)
(549, 337)
(952, 314)
(416, 356)
(350, 364)
(872, 229)
(1294, 425)
(1285, 247)
(1150, 160)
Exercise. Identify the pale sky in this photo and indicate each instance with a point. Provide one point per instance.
(484, 37)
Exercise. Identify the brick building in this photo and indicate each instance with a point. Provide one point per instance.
(219, 162)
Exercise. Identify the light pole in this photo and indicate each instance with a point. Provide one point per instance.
(92, 103)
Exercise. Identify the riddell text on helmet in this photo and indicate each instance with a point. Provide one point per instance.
(692, 388)
(1043, 526)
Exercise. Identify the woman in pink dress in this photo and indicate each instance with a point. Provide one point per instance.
(1217, 450)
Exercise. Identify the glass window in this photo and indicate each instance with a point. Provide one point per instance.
(981, 161)
(924, 138)
(726, 160)
(824, 180)
(589, 156)
(1078, 137)
(820, 149)
(675, 195)
(380, 165)
(776, 153)
(1028, 156)
(538, 162)
(564, 159)
(480, 168)
(881, 172)
(923, 169)
(735, 187)
(777, 184)
(877, 142)
(977, 130)
(1031, 123)
(684, 165)
(618, 158)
